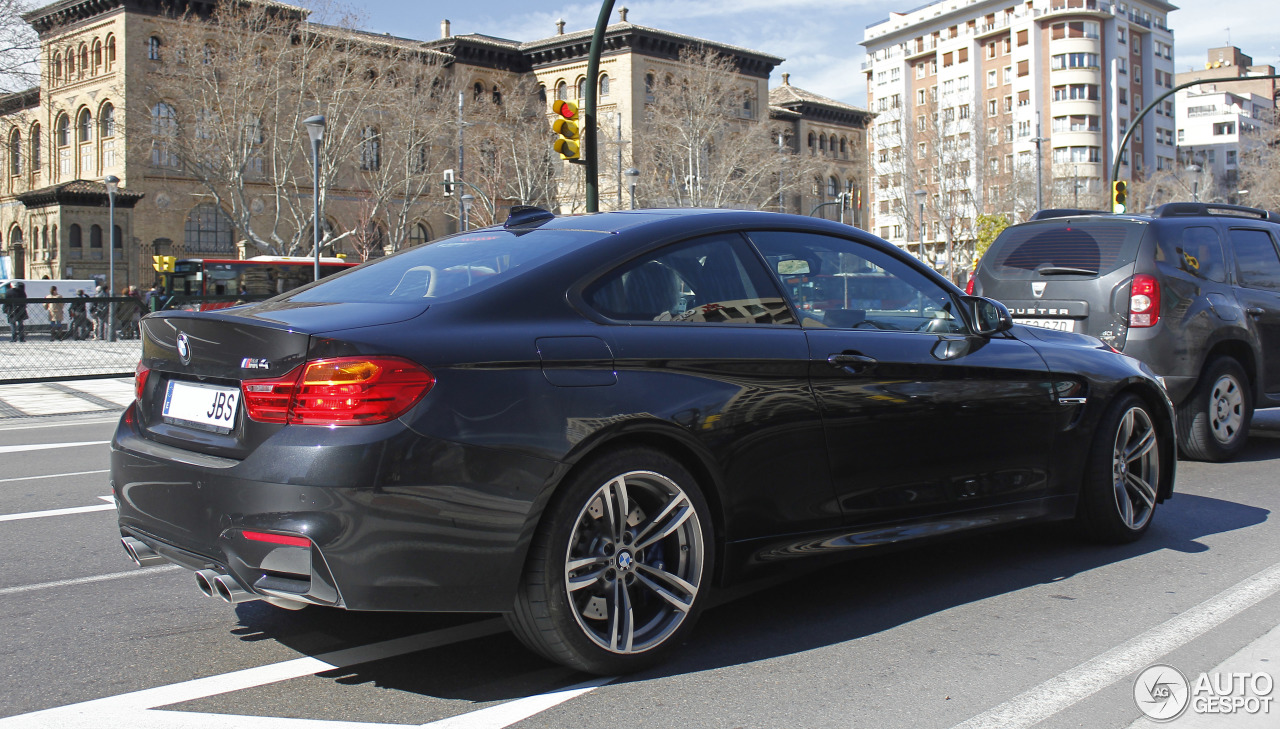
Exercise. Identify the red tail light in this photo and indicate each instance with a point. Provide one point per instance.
(968, 288)
(342, 391)
(1144, 301)
(140, 375)
(270, 538)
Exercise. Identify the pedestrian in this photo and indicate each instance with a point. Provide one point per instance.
(130, 312)
(100, 310)
(55, 309)
(80, 327)
(15, 310)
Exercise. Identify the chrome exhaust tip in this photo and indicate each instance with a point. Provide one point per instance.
(140, 553)
(204, 580)
(230, 591)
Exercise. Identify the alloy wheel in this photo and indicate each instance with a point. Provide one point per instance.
(1135, 467)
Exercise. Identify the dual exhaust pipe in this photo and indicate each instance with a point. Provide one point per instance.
(211, 582)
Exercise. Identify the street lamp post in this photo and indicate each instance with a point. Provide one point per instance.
(1195, 183)
(467, 200)
(632, 176)
(920, 195)
(112, 182)
(1039, 165)
(315, 130)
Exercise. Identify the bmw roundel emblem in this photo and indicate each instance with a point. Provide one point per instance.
(184, 349)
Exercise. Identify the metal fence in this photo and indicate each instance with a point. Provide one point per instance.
(68, 338)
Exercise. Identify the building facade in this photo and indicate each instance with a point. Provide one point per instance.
(982, 103)
(112, 66)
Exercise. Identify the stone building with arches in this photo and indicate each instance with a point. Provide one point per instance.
(102, 59)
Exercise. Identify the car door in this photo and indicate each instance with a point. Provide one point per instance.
(921, 416)
(702, 339)
(1258, 274)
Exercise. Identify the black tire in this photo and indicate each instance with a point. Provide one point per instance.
(1122, 476)
(581, 628)
(1213, 422)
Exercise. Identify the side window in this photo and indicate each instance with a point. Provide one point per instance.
(1257, 263)
(1197, 251)
(712, 280)
(843, 284)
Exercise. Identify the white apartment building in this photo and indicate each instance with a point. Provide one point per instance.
(965, 91)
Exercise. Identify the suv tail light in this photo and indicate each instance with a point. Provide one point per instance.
(1144, 301)
(341, 391)
(968, 288)
(140, 375)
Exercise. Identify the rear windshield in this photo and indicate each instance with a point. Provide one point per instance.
(1066, 248)
(446, 269)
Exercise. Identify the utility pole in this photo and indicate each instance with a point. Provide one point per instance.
(1039, 167)
(589, 147)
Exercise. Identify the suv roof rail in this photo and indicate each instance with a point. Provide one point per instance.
(1064, 213)
(1179, 209)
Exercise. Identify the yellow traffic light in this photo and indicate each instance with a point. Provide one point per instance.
(163, 264)
(565, 126)
(1119, 196)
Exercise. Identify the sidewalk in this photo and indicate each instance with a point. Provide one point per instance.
(75, 397)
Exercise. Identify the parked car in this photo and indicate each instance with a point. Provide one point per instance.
(1192, 289)
(589, 423)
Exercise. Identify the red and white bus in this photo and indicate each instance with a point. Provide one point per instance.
(257, 276)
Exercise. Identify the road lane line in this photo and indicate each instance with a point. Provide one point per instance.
(1079, 683)
(511, 712)
(56, 512)
(144, 572)
(131, 710)
(96, 421)
(55, 475)
(49, 446)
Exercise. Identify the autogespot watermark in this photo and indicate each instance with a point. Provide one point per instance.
(1163, 693)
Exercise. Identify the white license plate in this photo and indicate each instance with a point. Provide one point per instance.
(206, 407)
(1062, 325)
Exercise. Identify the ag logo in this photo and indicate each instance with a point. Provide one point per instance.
(184, 349)
(1162, 693)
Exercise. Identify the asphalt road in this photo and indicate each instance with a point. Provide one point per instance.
(1022, 628)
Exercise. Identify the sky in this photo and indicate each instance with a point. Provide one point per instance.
(819, 38)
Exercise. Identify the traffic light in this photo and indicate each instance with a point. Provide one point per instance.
(1119, 196)
(163, 264)
(449, 183)
(566, 126)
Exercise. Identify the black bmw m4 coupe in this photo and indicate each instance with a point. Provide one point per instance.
(590, 423)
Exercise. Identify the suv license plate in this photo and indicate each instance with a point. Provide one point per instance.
(204, 407)
(1062, 325)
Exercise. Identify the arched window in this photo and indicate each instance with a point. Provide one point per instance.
(62, 143)
(35, 148)
(208, 230)
(477, 91)
(84, 127)
(649, 82)
(153, 48)
(111, 52)
(15, 237)
(604, 85)
(746, 105)
(57, 66)
(95, 242)
(822, 144)
(164, 128)
(117, 242)
(844, 148)
(497, 95)
(542, 93)
(562, 91)
(419, 234)
(15, 152)
(582, 88)
(64, 130)
(107, 120)
(84, 60)
(833, 187)
(97, 55)
(370, 149)
(71, 63)
(75, 242)
(813, 141)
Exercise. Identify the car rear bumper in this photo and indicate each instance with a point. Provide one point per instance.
(396, 521)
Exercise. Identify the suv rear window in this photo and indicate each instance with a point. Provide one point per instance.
(449, 268)
(1094, 247)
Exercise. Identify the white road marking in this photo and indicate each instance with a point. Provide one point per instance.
(95, 421)
(131, 710)
(511, 712)
(54, 475)
(144, 572)
(50, 446)
(1039, 703)
(57, 512)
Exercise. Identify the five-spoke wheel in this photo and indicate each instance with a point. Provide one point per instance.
(1122, 481)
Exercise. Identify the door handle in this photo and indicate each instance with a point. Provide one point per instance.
(852, 361)
(1255, 311)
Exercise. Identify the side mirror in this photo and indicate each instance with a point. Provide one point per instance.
(989, 316)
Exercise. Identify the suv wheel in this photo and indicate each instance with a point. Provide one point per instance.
(1213, 422)
(618, 567)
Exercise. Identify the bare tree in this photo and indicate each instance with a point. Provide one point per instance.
(508, 145)
(227, 113)
(1259, 165)
(19, 48)
(708, 151)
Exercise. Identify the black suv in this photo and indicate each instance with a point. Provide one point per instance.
(1193, 290)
